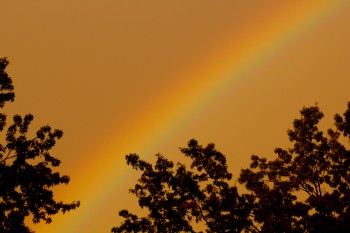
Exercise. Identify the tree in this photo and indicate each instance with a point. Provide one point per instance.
(176, 197)
(305, 189)
(26, 168)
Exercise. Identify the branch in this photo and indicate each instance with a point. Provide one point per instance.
(305, 189)
(201, 211)
(8, 157)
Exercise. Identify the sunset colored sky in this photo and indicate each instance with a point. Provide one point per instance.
(126, 76)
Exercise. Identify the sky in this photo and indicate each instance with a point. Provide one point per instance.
(145, 77)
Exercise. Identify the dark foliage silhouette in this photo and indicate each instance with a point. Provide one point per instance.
(305, 189)
(176, 196)
(26, 169)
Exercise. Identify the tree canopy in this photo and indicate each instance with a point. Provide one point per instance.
(305, 188)
(27, 173)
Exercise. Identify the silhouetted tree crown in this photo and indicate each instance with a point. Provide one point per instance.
(26, 169)
(305, 189)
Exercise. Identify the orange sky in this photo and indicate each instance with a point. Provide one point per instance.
(138, 76)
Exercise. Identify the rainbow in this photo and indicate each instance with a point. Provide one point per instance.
(235, 59)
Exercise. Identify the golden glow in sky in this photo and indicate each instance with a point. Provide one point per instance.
(145, 77)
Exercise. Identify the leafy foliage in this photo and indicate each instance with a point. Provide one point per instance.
(305, 189)
(176, 196)
(26, 175)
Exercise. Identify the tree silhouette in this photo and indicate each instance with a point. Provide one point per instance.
(176, 196)
(305, 189)
(26, 169)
